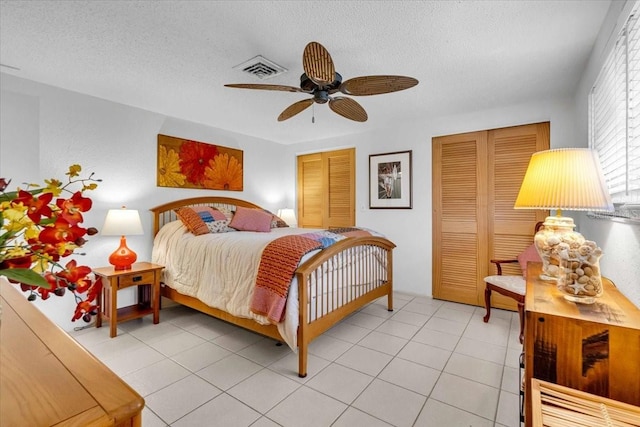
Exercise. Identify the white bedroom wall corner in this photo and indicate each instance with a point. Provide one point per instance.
(19, 137)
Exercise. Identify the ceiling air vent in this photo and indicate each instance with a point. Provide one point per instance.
(261, 67)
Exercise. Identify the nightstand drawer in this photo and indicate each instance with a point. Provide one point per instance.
(143, 278)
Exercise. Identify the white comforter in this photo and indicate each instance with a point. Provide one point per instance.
(220, 269)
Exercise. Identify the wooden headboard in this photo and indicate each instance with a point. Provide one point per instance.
(166, 213)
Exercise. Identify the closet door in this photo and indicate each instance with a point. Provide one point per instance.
(459, 215)
(510, 230)
(341, 189)
(310, 192)
(476, 179)
(326, 189)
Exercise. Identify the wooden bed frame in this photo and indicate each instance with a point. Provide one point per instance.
(343, 299)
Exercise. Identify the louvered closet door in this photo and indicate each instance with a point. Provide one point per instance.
(476, 179)
(510, 230)
(326, 189)
(340, 167)
(459, 215)
(310, 191)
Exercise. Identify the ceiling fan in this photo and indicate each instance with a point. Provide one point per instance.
(322, 81)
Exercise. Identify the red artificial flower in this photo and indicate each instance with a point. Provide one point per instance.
(61, 231)
(74, 273)
(83, 307)
(4, 184)
(19, 262)
(53, 282)
(36, 207)
(72, 207)
(194, 158)
(49, 249)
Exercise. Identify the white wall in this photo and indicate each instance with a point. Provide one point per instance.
(410, 229)
(620, 242)
(46, 129)
(19, 121)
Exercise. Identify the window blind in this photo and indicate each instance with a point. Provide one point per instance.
(614, 121)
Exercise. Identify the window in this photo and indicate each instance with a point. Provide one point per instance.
(614, 121)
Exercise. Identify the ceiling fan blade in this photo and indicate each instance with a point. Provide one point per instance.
(317, 64)
(294, 109)
(375, 85)
(348, 108)
(265, 87)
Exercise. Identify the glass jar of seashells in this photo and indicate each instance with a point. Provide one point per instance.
(556, 230)
(580, 279)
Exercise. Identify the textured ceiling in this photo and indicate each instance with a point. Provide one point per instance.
(173, 57)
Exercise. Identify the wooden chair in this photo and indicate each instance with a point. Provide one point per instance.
(511, 286)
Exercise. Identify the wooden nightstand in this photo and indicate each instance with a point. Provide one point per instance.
(144, 275)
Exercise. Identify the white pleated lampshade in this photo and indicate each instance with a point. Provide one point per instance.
(122, 222)
(564, 178)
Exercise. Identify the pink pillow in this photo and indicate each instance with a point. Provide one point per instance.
(246, 219)
(529, 254)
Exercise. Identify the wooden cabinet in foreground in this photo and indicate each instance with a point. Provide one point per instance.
(48, 379)
(593, 348)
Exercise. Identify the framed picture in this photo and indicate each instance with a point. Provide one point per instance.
(390, 180)
(184, 163)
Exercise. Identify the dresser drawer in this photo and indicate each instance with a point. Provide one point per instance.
(143, 278)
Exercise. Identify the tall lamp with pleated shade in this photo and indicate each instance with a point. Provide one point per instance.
(567, 179)
(122, 222)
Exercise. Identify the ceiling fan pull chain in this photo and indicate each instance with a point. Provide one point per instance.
(313, 113)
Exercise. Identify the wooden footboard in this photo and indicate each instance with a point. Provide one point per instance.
(326, 294)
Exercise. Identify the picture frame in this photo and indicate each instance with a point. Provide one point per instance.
(390, 180)
(185, 163)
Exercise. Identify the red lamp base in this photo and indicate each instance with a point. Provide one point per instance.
(123, 257)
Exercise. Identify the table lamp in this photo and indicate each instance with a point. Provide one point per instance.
(122, 222)
(569, 179)
(288, 216)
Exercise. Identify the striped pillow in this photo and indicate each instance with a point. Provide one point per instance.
(203, 219)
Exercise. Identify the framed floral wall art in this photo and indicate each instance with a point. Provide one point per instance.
(184, 163)
(390, 180)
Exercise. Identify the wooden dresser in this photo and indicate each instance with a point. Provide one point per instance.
(593, 348)
(47, 379)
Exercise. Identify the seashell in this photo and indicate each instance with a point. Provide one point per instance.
(579, 271)
(553, 270)
(553, 240)
(588, 271)
(585, 250)
(583, 279)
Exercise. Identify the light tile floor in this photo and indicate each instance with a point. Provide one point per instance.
(427, 363)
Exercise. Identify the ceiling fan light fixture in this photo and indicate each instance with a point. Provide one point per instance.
(261, 67)
(321, 80)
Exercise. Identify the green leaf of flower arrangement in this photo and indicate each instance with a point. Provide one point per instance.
(26, 276)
